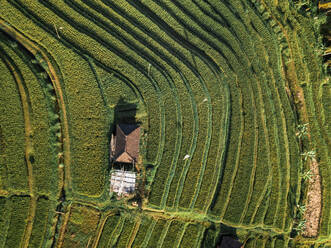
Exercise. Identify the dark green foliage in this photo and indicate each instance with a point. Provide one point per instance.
(324, 164)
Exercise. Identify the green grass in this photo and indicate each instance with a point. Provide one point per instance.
(250, 243)
(12, 155)
(42, 156)
(40, 227)
(174, 230)
(5, 213)
(126, 233)
(142, 232)
(81, 227)
(191, 235)
(16, 227)
(108, 230)
(155, 236)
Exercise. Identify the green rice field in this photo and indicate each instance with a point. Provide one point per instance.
(233, 98)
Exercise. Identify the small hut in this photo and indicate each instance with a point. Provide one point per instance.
(124, 149)
(125, 144)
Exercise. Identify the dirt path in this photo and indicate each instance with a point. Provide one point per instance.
(314, 203)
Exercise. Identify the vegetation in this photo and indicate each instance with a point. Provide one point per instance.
(233, 98)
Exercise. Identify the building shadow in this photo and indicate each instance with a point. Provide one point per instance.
(125, 112)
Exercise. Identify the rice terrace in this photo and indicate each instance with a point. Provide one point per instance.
(165, 123)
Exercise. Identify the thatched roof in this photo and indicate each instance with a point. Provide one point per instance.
(126, 143)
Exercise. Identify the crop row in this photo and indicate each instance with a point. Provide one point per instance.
(124, 238)
(13, 227)
(43, 117)
(261, 133)
(163, 82)
(265, 153)
(267, 242)
(291, 144)
(108, 231)
(42, 229)
(12, 132)
(142, 233)
(167, 29)
(324, 161)
(207, 166)
(259, 26)
(14, 214)
(265, 34)
(188, 22)
(134, 231)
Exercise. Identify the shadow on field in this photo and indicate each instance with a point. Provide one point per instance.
(221, 236)
(125, 112)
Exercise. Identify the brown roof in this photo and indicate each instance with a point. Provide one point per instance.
(126, 148)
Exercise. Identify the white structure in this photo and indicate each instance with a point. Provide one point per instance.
(123, 182)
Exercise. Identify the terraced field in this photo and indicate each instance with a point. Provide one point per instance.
(224, 91)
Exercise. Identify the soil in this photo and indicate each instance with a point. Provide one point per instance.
(314, 203)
